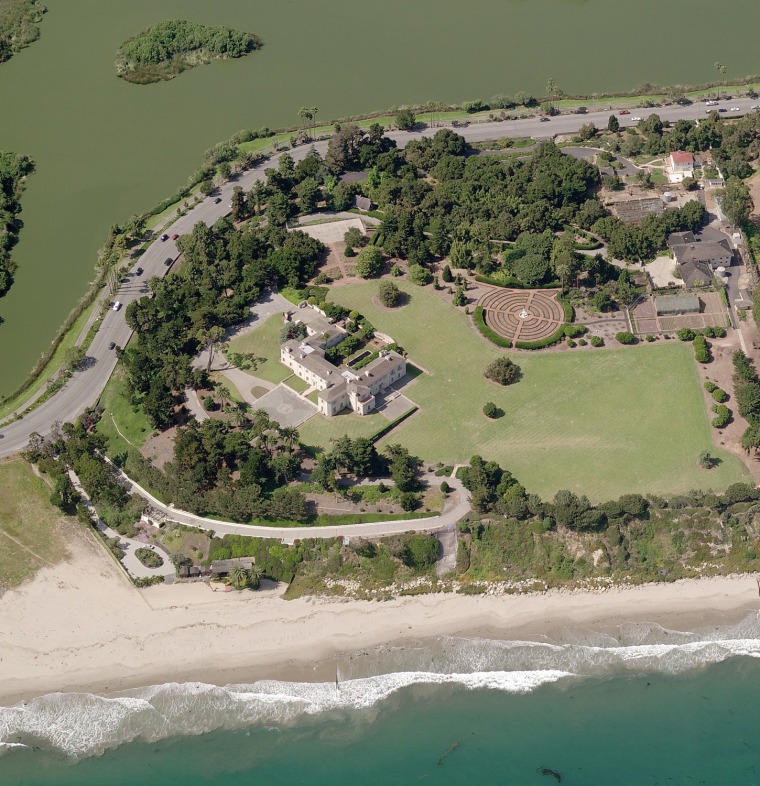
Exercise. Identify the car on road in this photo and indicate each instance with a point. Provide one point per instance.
(175, 236)
(112, 345)
(139, 271)
(754, 107)
(736, 109)
(164, 238)
(168, 261)
(723, 109)
(541, 120)
(217, 200)
(636, 119)
(711, 103)
(116, 306)
(624, 112)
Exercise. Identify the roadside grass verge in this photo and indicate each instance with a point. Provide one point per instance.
(126, 427)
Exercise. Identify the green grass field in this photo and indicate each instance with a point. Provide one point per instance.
(125, 426)
(601, 422)
(264, 341)
(30, 527)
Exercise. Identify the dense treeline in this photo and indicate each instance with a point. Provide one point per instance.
(169, 47)
(19, 20)
(223, 273)
(14, 169)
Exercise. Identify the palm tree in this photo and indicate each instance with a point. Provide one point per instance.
(223, 394)
(239, 413)
(721, 69)
(238, 576)
(290, 436)
(253, 577)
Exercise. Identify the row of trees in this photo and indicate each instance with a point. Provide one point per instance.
(14, 169)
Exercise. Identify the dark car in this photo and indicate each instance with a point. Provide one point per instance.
(164, 238)
(168, 261)
(624, 112)
(723, 109)
(175, 236)
(139, 271)
(217, 200)
(112, 345)
(543, 119)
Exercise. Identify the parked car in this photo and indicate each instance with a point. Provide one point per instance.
(112, 345)
(168, 261)
(175, 236)
(624, 112)
(636, 119)
(139, 271)
(543, 119)
(217, 200)
(164, 238)
(736, 109)
(711, 103)
(722, 109)
(754, 107)
(116, 306)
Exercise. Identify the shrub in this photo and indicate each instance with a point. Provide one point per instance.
(625, 337)
(720, 395)
(149, 558)
(582, 342)
(707, 460)
(369, 262)
(406, 120)
(710, 386)
(447, 275)
(571, 344)
(420, 551)
(649, 337)
(503, 371)
(480, 322)
(596, 341)
(490, 410)
(541, 343)
(714, 332)
(686, 334)
(701, 349)
(389, 294)
(445, 488)
(722, 415)
(420, 275)
(573, 331)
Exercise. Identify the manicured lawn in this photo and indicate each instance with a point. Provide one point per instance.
(264, 341)
(319, 430)
(297, 384)
(602, 423)
(121, 416)
(30, 527)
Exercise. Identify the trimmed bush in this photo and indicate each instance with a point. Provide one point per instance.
(625, 337)
(720, 395)
(571, 343)
(701, 349)
(573, 331)
(596, 341)
(686, 334)
(722, 415)
(490, 410)
(420, 275)
(491, 335)
(389, 294)
(542, 342)
(710, 386)
(582, 342)
(503, 371)
(380, 433)
(649, 337)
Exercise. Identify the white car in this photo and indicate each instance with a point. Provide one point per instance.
(636, 119)
(116, 306)
(736, 109)
(754, 107)
(711, 103)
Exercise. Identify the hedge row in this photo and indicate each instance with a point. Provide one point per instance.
(542, 343)
(380, 433)
(513, 283)
(480, 320)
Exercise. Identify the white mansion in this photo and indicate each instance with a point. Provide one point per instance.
(338, 389)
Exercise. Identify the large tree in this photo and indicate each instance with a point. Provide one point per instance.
(736, 201)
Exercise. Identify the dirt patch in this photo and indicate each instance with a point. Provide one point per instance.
(160, 448)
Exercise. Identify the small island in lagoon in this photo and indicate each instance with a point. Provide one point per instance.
(168, 48)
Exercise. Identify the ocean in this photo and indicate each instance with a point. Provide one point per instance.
(647, 706)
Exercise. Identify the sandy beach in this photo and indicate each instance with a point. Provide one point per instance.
(81, 626)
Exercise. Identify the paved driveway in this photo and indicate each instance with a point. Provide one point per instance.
(286, 407)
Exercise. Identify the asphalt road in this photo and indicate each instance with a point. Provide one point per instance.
(85, 385)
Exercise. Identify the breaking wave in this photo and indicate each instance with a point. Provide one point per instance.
(83, 724)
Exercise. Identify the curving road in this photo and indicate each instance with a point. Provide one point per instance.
(85, 385)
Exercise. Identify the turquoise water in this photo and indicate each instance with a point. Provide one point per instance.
(644, 712)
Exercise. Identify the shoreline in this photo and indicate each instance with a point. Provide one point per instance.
(80, 627)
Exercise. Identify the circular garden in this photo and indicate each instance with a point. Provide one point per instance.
(523, 314)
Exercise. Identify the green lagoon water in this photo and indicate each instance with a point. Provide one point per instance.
(698, 728)
(106, 149)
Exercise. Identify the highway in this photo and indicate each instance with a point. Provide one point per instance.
(86, 384)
